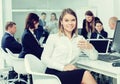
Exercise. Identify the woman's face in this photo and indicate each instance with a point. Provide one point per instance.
(99, 27)
(52, 17)
(68, 22)
(89, 18)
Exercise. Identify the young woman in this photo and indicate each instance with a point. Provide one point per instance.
(99, 32)
(88, 24)
(52, 25)
(30, 44)
(63, 49)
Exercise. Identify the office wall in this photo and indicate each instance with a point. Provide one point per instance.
(1, 21)
(7, 11)
(48, 6)
(117, 8)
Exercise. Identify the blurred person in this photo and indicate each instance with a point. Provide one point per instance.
(30, 44)
(52, 25)
(42, 19)
(63, 49)
(88, 24)
(112, 22)
(8, 40)
(99, 32)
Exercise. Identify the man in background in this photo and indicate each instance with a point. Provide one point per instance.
(8, 40)
(112, 25)
(42, 21)
(112, 22)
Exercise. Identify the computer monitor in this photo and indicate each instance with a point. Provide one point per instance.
(116, 40)
(101, 45)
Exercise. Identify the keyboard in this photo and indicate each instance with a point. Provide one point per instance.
(108, 58)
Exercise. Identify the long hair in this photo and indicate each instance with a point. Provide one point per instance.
(54, 15)
(89, 13)
(64, 12)
(31, 19)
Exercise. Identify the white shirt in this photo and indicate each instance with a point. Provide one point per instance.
(60, 51)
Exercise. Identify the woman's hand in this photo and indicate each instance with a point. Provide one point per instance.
(84, 44)
(69, 67)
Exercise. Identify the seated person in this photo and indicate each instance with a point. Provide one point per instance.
(29, 41)
(99, 32)
(8, 40)
(112, 24)
(63, 49)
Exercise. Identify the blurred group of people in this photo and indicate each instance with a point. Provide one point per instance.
(93, 26)
(52, 25)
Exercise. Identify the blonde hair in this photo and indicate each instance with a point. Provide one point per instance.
(64, 12)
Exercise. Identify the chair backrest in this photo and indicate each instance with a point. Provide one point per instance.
(3, 56)
(17, 63)
(33, 64)
(8, 51)
(2, 64)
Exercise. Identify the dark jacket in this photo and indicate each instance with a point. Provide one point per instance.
(84, 31)
(40, 32)
(9, 42)
(30, 45)
(103, 34)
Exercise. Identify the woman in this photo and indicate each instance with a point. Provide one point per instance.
(30, 44)
(88, 24)
(99, 32)
(63, 49)
(52, 26)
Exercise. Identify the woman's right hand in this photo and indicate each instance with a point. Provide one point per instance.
(69, 67)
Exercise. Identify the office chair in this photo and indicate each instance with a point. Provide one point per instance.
(2, 76)
(35, 67)
(4, 68)
(18, 66)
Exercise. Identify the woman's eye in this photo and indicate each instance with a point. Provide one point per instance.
(73, 19)
(66, 20)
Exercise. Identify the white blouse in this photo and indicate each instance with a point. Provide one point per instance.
(60, 51)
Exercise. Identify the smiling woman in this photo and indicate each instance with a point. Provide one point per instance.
(62, 50)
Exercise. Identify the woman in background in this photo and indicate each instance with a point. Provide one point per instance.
(99, 32)
(88, 24)
(63, 49)
(30, 44)
(52, 26)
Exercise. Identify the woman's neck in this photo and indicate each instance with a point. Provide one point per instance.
(68, 34)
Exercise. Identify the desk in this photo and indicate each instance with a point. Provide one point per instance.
(99, 67)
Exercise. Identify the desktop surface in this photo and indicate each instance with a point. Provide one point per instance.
(99, 66)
